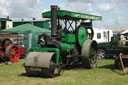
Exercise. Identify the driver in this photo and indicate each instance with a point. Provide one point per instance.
(122, 41)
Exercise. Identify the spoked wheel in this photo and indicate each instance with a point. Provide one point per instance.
(102, 53)
(12, 53)
(89, 53)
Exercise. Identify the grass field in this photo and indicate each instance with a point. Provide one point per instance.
(104, 74)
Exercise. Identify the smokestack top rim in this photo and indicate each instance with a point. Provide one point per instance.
(54, 6)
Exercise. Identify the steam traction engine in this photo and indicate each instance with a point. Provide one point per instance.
(11, 47)
(70, 42)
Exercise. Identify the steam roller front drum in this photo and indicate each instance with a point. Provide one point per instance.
(42, 64)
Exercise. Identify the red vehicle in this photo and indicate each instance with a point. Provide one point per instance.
(11, 47)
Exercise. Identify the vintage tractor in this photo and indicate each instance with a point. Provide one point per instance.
(121, 61)
(68, 44)
(11, 47)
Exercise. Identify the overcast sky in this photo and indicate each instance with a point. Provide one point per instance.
(113, 12)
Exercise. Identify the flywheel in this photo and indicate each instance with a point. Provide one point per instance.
(81, 35)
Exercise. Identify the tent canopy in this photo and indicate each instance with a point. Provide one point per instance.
(26, 28)
(121, 32)
(124, 32)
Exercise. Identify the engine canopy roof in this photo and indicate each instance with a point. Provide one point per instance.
(68, 15)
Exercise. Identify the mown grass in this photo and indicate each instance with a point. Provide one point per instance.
(104, 74)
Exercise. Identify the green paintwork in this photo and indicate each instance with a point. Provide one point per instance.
(115, 39)
(91, 57)
(5, 19)
(41, 24)
(72, 15)
(63, 36)
(82, 35)
(56, 50)
(26, 28)
(66, 47)
(70, 38)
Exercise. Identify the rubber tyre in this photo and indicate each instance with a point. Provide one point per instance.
(89, 58)
(102, 54)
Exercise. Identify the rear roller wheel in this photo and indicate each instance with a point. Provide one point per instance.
(89, 53)
(12, 54)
